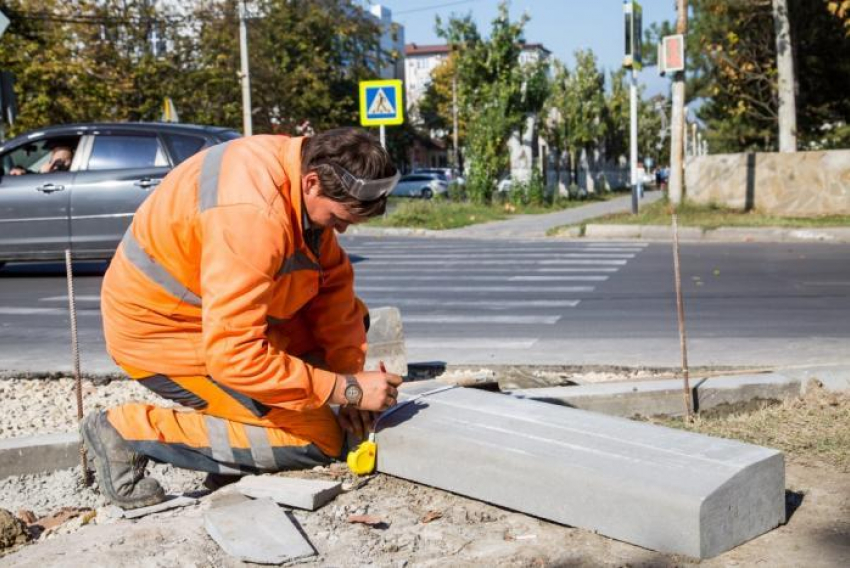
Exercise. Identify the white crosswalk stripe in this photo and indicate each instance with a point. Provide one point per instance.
(451, 318)
(538, 289)
(467, 278)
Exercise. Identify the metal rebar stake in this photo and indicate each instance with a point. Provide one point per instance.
(75, 353)
(680, 308)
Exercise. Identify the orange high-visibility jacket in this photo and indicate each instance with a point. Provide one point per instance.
(215, 261)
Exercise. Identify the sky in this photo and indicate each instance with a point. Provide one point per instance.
(562, 26)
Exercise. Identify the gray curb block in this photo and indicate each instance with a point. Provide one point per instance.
(39, 454)
(666, 398)
(721, 234)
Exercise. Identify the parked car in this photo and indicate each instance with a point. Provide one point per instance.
(425, 186)
(78, 186)
(447, 174)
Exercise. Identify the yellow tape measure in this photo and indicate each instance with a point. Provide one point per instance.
(362, 459)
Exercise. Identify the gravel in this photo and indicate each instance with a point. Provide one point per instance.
(46, 406)
(45, 493)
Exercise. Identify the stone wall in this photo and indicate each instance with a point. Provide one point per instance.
(803, 184)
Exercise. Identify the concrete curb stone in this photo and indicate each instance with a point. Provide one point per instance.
(27, 455)
(720, 234)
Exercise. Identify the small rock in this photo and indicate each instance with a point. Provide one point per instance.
(13, 531)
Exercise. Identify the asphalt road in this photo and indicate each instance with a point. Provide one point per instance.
(527, 302)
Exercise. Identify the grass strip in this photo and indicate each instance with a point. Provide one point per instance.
(710, 217)
(811, 430)
(441, 214)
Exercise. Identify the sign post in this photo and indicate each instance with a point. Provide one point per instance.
(381, 105)
(634, 29)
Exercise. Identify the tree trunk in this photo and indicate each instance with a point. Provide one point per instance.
(785, 69)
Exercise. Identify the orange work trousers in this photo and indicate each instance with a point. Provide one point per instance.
(223, 431)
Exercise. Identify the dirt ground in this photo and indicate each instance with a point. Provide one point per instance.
(467, 533)
(423, 526)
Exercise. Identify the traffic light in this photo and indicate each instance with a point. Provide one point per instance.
(634, 31)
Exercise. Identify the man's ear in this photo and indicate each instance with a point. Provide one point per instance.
(310, 184)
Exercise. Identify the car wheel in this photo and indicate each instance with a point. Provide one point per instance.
(426, 193)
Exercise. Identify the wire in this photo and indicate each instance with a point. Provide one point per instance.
(434, 7)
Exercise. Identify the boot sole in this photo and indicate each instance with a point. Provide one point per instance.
(101, 465)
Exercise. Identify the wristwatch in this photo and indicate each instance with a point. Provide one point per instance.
(353, 392)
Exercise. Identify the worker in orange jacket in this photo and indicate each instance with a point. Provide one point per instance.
(231, 296)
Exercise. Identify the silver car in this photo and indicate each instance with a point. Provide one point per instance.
(425, 186)
(78, 186)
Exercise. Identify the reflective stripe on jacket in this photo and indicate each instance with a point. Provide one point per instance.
(214, 259)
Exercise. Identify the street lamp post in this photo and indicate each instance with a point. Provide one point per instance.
(244, 74)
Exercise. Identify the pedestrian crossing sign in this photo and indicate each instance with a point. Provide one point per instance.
(380, 103)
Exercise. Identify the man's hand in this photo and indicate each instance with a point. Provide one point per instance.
(379, 390)
(358, 422)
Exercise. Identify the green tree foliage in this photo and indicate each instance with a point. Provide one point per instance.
(577, 108)
(87, 60)
(732, 66)
(81, 61)
(495, 94)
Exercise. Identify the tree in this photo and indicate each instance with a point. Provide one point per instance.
(494, 94)
(732, 66)
(579, 99)
(91, 60)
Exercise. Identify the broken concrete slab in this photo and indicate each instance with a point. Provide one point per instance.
(25, 455)
(173, 503)
(386, 340)
(257, 531)
(665, 398)
(309, 494)
(663, 489)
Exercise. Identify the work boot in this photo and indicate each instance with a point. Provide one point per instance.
(120, 470)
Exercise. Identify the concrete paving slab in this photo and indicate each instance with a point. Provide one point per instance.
(257, 531)
(309, 494)
(664, 398)
(174, 503)
(386, 340)
(36, 454)
(663, 489)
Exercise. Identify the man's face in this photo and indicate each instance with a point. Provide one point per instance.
(326, 212)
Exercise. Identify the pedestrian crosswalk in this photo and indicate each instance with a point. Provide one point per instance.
(483, 296)
(459, 297)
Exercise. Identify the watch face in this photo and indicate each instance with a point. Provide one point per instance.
(353, 394)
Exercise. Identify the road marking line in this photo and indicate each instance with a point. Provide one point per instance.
(602, 256)
(556, 278)
(537, 289)
(368, 269)
(45, 311)
(449, 318)
(478, 304)
(377, 276)
(474, 343)
(496, 261)
(81, 298)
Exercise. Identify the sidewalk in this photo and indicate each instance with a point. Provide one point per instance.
(521, 226)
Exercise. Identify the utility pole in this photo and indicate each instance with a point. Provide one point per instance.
(677, 119)
(244, 74)
(785, 70)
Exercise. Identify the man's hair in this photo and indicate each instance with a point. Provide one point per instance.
(357, 152)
